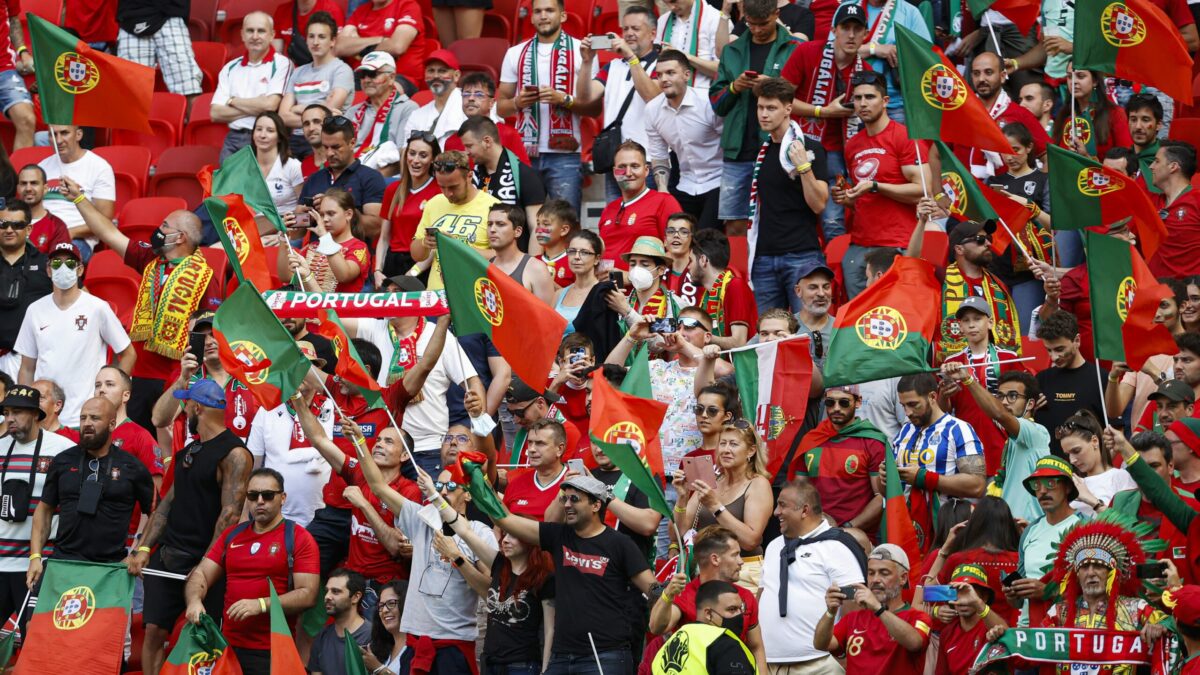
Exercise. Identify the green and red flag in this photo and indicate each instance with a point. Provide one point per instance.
(285, 660)
(898, 526)
(234, 223)
(937, 101)
(82, 611)
(201, 649)
(1094, 648)
(1023, 13)
(970, 199)
(1132, 40)
(354, 657)
(473, 467)
(483, 299)
(634, 470)
(812, 460)
(349, 367)
(1096, 196)
(239, 174)
(773, 380)
(256, 349)
(886, 330)
(618, 417)
(1125, 296)
(85, 87)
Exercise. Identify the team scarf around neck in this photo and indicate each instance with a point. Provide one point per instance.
(404, 351)
(693, 45)
(562, 77)
(507, 187)
(657, 306)
(379, 125)
(713, 302)
(1105, 648)
(166, 299)
(823, 90)
(1005, 324)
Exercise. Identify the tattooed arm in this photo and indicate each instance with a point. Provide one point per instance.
(968, 482)
(234, 473)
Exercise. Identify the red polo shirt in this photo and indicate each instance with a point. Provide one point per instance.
(621, 223)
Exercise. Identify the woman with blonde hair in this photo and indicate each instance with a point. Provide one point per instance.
(741, 500)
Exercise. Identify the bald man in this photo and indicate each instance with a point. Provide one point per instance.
(250, 85)
(172, 259)
(95, 487)
(988, 78)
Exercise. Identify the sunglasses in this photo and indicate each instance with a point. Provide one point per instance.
(264, 495)
(422, 136)
(94, 467)
(336, 123)
(519, 413)
(706, 411)
(980, 239)
(59, 262)
(190, 455)
(461, 439)
(689, 322)
(1044, 483)
(1070, 426)
(448, 485)
(13, 224)
(446, 167)
(865, 77)
(741, 424)
(844, 403)
(570, 499)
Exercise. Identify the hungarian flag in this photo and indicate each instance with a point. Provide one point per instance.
(1023, 13)
(970, 199)
(354, 657)
(285, 660)
(239, 174)
(625, 457)
(1097, 196)
(201, 649)
(886, 330)
(1132, 40)
(897, 526)
(938, 103)
(81, 86)
(773, 379)
(618, 417)
(235, 225)
(472, 465)
(483, 299)
(1125, 297)
(349, 364)
(256, 349)
(81, 612)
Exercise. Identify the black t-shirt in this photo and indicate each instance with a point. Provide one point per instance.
(124, 481)
(20, 285)
(198, 493)
(787, 224)
(1034, 187)
(503, 186)
(799, 20)
(1067, 390)
(593, 581)
(634, 497)
(753, 141)
(514, 632)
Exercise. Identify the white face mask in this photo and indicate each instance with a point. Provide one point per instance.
(64, 278)
(641, 278)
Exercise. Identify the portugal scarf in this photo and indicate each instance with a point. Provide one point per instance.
(1114, 651)
(810, 451)
(404, 352)
(1006, 327)
(562, 78)
(166, 299)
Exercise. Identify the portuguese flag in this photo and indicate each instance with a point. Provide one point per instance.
(201, 649)
(886, 330)
(937, 102)
(234, 223)
(897, 526)
(256, 349)
(774, 379)
(618, 417)
(1097, 196)
(1125, 297)
(239, 174)
(1023, 13)
(285, 660)
(473, 465)
(1132, 40)
(349, 364)
(972, 200)
(79, 85)
(633, 468)
(81, 612)
(483, 299)
(814, 463)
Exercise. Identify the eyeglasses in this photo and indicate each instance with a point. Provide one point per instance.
(265, 495)
(447, 166)
(570, 499)
(94, 467)
(450, 439)
(681, 231)
(519, 413)
(845, 403)
(448, 485)
(422, 136)
(1010, 396)
(1036, 484)
(579, 253)
(13, 224)
(476, 94)
(190, 455)
(389, 605)
(59, 262)
(706, 411)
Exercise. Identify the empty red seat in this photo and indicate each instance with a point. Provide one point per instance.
(175, 172)
(201, 129)
(131, 168)
(211, 57)
(219, 262)
(230, 29)
(167, 112)
(31, 155)
(140, 217)
(110, 279)
(481, 54)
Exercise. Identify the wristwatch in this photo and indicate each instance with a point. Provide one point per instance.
(459, 561)
(874, 186)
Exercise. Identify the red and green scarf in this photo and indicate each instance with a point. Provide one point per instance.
(562, 78)
(713, 302)
(814, 463)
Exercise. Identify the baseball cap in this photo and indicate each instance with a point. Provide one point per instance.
(519, 392)
(66, 248)
(203, 319)
(376, 61)
(849, 12)
(972, 574)
(969, 228)
(590, 486)
(445, 56)
(976, 303)
(206, 392)
(890, 552)
(1184, 603)
(1176, 391)
(406, 283)
(812, 267)
(851, 389)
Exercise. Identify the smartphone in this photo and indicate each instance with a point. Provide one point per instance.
(530, 87)
(306, 202)
(196, 346)
(1011, 578)
(848, 591)
(303, 220)
(751, 74)
(699, 468)
(664, 325)
(576, 355)
(618, 278)
(841, 183)
(577, 466)
(941, 594)
(1152, 570)
(601, 42)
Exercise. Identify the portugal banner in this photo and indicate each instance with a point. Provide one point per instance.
(1076, 646)
(305, 305)
(80, 619)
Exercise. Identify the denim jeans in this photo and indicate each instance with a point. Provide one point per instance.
(775, 278)
(736, 178)
(85, 249)
(854, 269)
(521, 668)
(833, 218)
(662, 540)
(562, 175)
(430, 461)
(1069, 244)
(612, 662)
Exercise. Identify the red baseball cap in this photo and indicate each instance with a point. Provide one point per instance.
(66, 248)
(445, 56)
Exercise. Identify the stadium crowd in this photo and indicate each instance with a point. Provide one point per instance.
(681, 182)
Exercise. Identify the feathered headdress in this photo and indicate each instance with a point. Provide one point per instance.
(1114, 539)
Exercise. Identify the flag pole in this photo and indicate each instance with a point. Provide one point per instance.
(920, 171)
(595, 654)
(999, 52)
(1015, 240)
(1071, 95)
(165, 575)
(400, 433)
(1100, 384)
(21, 613)
(758, 345)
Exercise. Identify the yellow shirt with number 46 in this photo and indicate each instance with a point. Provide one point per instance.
(465, 222)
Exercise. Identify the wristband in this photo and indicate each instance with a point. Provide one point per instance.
(881, 610)
(931, 480)
(969, 381)
(459, 561)
(718, 512)
(326, 246)
(873, 45)
(804, 168)
(817, 112)
(35, 556)
(308, 278)
(986, 610)
(451, 522)
(262, 604)
(143, 549)
(919, 481)
(666, 598)
(1114, 378)
(633, 61)
(731, 89)
(442, 505)
(679, 510)
(1132, 458)
(22, 49)
(78, 199)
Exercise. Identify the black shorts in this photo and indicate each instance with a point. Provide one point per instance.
(253, 661)
(164, 600)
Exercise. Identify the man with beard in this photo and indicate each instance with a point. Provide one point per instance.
(95, 488)
(503, 174)
(1145, 115)
(1038, 98)
(479, 99)
(311, 121)
(988, 76)
(815, 291)
(206, 497)
(443, 115)
(344, 169)
(885, 635)
(967, 276)
(1172, 171)
(48, 230)
(710, 642)
(344, 590)
(378, 123)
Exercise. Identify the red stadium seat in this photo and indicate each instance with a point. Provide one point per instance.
(211, 57)
(588, 128)
(219, 262)
(738, 255)
(230, 30)
(202, 20)
(483, 54)
(522, 10)
(131, 167)
(201, 129)
(166, 119)
(110, 279)
(606, 17)
(140, 217)
(422, 97)
(50, 10)
(30, 155)
(497, 25)
(1186, 130)
(575, 24)
(175, 172)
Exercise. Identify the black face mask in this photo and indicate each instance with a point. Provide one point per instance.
(158, 240)
(733, 624)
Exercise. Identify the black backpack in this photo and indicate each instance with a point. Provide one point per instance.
(289, 544)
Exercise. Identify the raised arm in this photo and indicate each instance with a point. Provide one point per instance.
(316, 435)
(983, 398)
(414, 378)
(101, 225)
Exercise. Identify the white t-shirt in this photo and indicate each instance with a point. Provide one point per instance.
(284, 182)
(276, 436)
(443, 124)
(510, 73)
(70, 345)
(1104, 486)
(428, 419)
(94, 175)
(818, 566)
(14, 557)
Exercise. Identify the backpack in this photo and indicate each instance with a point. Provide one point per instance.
(289, 544)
